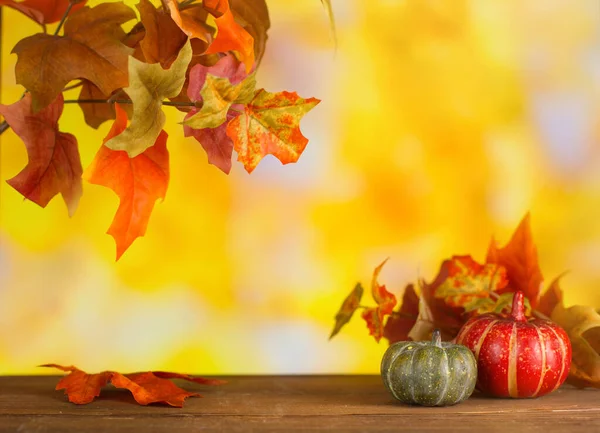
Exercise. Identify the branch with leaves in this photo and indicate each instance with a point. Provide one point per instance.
(465, 288)
(199, 57)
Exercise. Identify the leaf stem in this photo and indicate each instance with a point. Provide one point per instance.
(185, 3)
(64, 17)
(73, 86)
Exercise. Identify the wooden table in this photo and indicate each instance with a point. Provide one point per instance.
(289, 404)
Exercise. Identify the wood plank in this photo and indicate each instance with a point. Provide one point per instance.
(290, 404)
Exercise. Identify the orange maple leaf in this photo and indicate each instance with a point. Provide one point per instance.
(138, 182)
(270, 124)
(232, 37)
(54, 165)
(192, 21)
(147, 387)
(43, 11)
(520, 259)
(386, 302)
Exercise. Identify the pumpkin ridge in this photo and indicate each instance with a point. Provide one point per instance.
(511, 374)
(412, 375)
(446, 376)
(544, 368)
(563, 351)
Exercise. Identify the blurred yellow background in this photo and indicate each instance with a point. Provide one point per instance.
(442, 123)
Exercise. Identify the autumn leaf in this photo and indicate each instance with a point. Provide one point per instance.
(270, 125)
(346, 311)
(216, 7)
(218, 95)
(146, 388)
(91, 48)
(425, 324)
(43, 11)
(138, 182)
(233, 37)
(254, 18)
(551, 298)
(194, 21)
(54, 165)
(519, 257)
(400, 322)
(582, 324)
(385, 301)
(215, 141)
(149, 84)
(461, 286)
(163, 38)
(95, 114)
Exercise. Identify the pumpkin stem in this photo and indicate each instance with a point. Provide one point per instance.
(436, 338)
(518, 311)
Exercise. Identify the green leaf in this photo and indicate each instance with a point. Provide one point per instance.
(347, 309)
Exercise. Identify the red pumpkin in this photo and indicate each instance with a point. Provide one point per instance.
(517, 357)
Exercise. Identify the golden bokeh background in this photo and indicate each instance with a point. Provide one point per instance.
(442, 124)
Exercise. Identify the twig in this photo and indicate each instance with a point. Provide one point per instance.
(73, 86)
(64, 17)
(124, 101)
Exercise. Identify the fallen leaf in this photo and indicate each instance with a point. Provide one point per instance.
(54, 165)
(194, 21)
(400, 322)
(146, 388)
(582, 324)
(520, 259)
(149, 84)
(138, 182)
(43, 11)
(215, 141)
(163, 38)
(270, 125)
(218, 96)
(91, 48)
(346, 311)
(233, 37)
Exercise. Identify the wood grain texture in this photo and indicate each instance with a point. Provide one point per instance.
(290, 404)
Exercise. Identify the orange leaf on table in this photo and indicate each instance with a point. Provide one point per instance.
(54, 165)
(146, 387)
(233, 37)
(43, 11)
(163, 38)
(400, 322)
(520, 259)
(138, 182)
(91, 48)
(346, 311)
(270, 125)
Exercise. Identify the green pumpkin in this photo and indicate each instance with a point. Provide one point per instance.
(429, 373)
